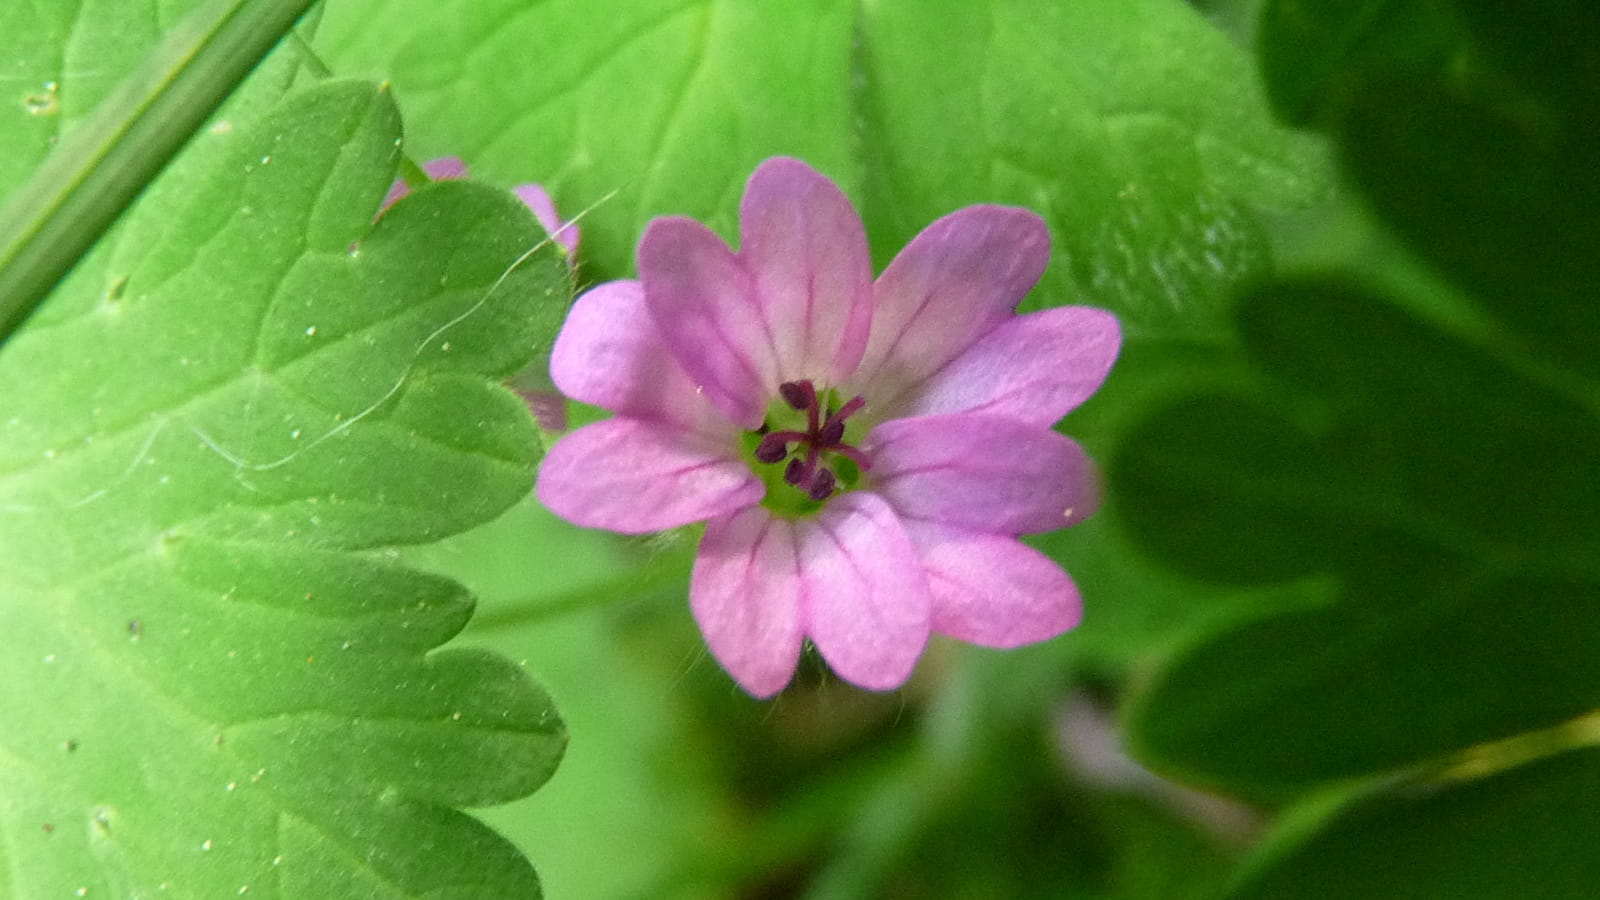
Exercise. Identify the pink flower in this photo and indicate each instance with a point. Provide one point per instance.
(536, 198)
(864, 453)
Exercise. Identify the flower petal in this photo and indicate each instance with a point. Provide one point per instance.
(634, 476)
(990, 473)
(1035, 368)
(445, 168)
(536, 198)
(610, 354)
(704, 303)
(549, 408)
(866, 600)
(804, 246)
(745, 593)
(993, 590)
(962, 276)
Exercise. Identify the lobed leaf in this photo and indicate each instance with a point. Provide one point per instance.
(1136, 128)
(209, 689)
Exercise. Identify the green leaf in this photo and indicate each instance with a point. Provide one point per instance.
(1400, 430)
(1469, 126)
(1527, 832)
(1496, 189)
(1214, 466)
(1425, 458)
(1441, 489)
(209, 687)
(1315, 52)
(647, 99)
(54, 218)
(1321, 694)
(1136, 128)
(1451, 497)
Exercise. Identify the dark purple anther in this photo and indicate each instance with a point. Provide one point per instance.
(831, 433)
(794, 472)
(775, 446)
(799, 394)
(822, 485)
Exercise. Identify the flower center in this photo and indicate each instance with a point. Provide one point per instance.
(815, 457)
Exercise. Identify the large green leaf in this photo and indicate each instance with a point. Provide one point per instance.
(1449, 496)
(1446, 487)
(1469, 126)
(210, 687)
(1400, 430)
(1315, 52)
(668, 104)
(1320, 694)
(1136, 128)
(1527, 832)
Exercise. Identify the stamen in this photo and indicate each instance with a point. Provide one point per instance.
(850, 408)
(862, 461)
(822, 485)
(799, 394)
(809, 472)
(775, 445)
(832, 433)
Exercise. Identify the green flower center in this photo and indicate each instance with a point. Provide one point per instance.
(804, 450)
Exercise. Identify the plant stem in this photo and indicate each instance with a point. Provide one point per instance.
(82, 187)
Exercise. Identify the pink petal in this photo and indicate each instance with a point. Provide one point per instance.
(993, 590)
(544, 209)
(957, 280)
(866, 601)
(704, 302)
(635, 477)
(745, 593)
(549, 408)
(989, 473)
(610, 354)
(804, 246)
(445, 168)
(1035, 368)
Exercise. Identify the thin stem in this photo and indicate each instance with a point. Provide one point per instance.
(82, 187)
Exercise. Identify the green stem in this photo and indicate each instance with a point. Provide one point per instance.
(82, 187)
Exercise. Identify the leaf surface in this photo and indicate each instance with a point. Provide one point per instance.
(214, 683)
(1520, 833)
(1137, 129)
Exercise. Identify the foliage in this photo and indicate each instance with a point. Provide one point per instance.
(1346, 576)
(213, 685)
(1426, 448)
